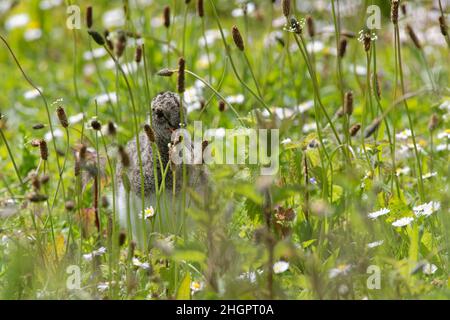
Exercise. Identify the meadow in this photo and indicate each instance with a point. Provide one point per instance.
(357, 92)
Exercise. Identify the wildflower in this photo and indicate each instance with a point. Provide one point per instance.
(286, 141)
(149, 213)
(366, 37)
(76, 118)
(426, 209)
(403, 222)
(139, 264)
(341, 270)
(429, 175)
(196, 286)
(404, 135)
(379, 213)
(444, 134)
(429, 268)
(375, 244)
(280, 267)
(96, 253)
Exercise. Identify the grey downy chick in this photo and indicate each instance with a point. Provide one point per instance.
(166, 119)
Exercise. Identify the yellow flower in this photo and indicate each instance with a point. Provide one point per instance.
(149, 212)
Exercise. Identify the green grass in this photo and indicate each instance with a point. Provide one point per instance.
(234, 238)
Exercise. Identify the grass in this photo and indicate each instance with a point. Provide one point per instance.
(347, 216)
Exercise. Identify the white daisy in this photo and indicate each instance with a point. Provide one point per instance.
(375, 244)
(143, 265)
(426, 209)
(340, 270)
(429, 175)
(196, 286)
(286, 141)
(429, 268)
(404, 135)
(403, 222)
(280, 266)
(379, 213)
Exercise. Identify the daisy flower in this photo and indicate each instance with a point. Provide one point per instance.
(426, 209)
(148, 213)
(340, 270)
(280, 266)
(403, 222)
(429, 268)
(375, 244)
(196, 286)
(379, 213)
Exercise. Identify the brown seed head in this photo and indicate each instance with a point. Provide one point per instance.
(310, 26)
(286, 7)
(372, 128)
(394, 11)
(433, 123)
(165, 73)
(37, 197)
(61, 113)
(181, 79)
(238, 41)
(166, 16)
(122, 238)
(96, 125)
(221, 106)
(348, 103)
(354, 129)
(38, 126)
(44, 149)
(112, 130)
(413, 37)
(70, 205)
(200, 8)
(89, 17)
(342, 47)
(98, 38)
(138, 55)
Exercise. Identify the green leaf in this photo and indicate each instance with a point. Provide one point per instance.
(189, 255)
(184, 290)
